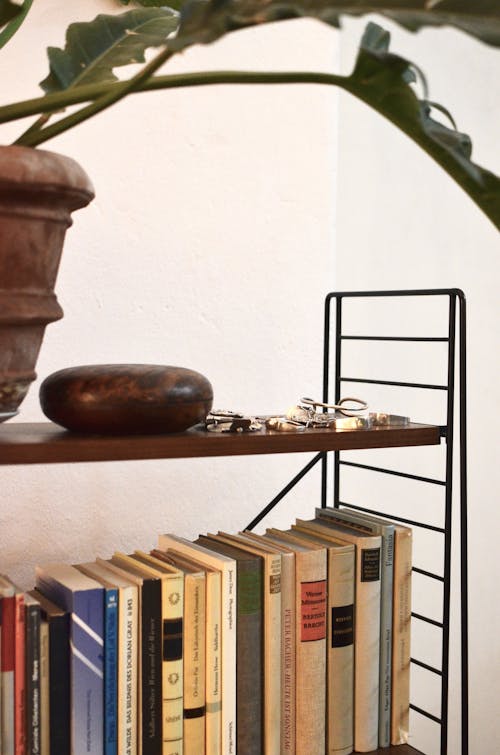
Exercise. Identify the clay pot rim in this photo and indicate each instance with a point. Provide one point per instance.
(29, 169)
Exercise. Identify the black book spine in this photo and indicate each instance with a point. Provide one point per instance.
(33, 708)
(59, 702)
(151, 633)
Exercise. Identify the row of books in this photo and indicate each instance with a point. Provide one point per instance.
(291, 642)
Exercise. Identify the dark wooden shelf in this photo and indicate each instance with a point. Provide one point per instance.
(46, 443)
(395, 750)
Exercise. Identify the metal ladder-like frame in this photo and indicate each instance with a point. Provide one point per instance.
(456, 311)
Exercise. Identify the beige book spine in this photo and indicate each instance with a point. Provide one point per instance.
(227, 567)
(400, 709)
(127, 670)
(310, 609)
(213, 664)
(367, 631)
(172, 612)
(44, 689)
(194, 664)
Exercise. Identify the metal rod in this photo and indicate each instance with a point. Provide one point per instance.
(427, 620)
(448, 523)
(427, 715)
(408, 292)
(393, 516)
(464, 591)
(270, 506)
(326, 388)
(406, 475)
(426, 666)
(412, 339)
(338, 362)
(427, 573)
(397, 383)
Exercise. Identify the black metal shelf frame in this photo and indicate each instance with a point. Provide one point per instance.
(456, 312)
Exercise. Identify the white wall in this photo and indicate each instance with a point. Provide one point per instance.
(402, 223)
(209, 246)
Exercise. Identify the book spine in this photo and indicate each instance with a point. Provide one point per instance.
(311, 651)
(249, 657)
(400, 714)
(110, 670)
(340, 652)
(44, 689)
(386, 611)
(151, 655)
(7, 666)
(288, 640)
(33, 708)
(1, 601)
(194, 665)
(127, 670)
(172, 671)
(60, 685)
(87, 672)
(213, 689)
(20, 676)
(272, 654)
(229, 597)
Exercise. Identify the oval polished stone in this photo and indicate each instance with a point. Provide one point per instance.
(126, 398)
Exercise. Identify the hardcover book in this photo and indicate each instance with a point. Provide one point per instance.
(367, 626)
(310, 641)
(56, 709)
(194, 652)
(110, 662)
(82, 597)
(150, 651)
(7, 662)
(288, 678)
(126, 653)
(227, 568)
(172, 607)
(340, 642)
(33, 689)
(248, 644)
(213, 653)
(44, 687)
(386, 531)
(272, 636)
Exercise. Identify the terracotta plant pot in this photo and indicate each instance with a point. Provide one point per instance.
(38, 192)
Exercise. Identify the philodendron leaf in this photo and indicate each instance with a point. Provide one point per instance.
(154, 3)
(93, 49)
(381, 79)
(8, 11)
(203, 21)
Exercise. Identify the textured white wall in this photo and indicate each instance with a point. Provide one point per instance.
(402, 223)
(210, 246)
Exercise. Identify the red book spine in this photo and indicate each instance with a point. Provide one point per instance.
(7, 674)
(19, 676)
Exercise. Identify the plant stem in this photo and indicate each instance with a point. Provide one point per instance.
(58, 100)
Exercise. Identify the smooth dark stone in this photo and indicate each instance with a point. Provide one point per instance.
(126, 398)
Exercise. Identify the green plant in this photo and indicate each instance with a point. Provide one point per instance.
(82, 72)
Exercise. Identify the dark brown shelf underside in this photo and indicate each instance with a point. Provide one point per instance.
(396, 750)
(46, 443)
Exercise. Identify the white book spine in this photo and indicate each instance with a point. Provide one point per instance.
(213, 661)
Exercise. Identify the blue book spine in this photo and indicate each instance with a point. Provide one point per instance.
(86, 607)
(110, 670)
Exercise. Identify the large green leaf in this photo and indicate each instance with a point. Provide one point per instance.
(8, 11)
(154, 3)
(382, 80)
(203, 21)
(93, 49)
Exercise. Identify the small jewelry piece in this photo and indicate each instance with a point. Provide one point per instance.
(381, 419)
(230, 422)
(284, 425)
(348, 411)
